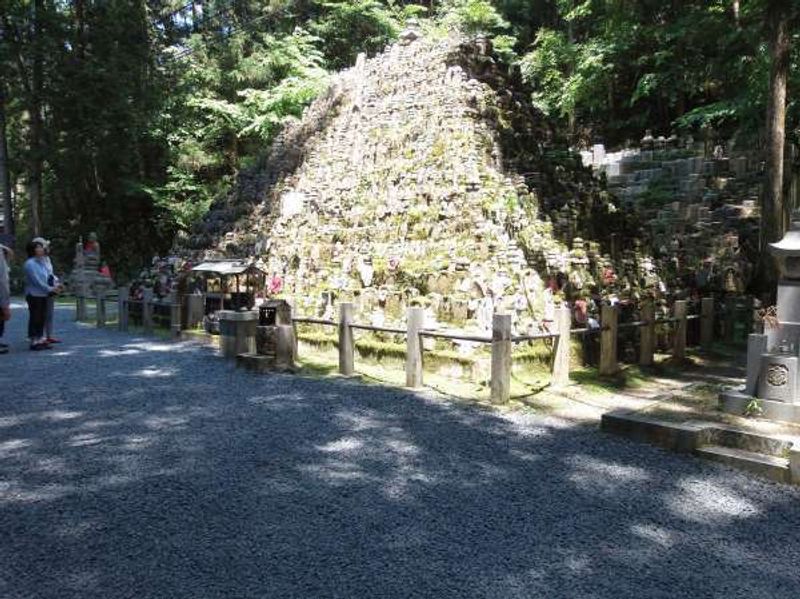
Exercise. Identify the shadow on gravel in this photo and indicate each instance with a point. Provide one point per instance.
(133, 468)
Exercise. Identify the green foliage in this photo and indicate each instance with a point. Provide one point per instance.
(621, 67)
(351, 26)
(472, 17)
(753, 409)
(228, 114)
(182, 198)
(714, 114)
(566, 75)
(658, 194)
(505, 47)
(148, 114)
(547, 68)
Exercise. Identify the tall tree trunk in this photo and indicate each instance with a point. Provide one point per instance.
(5, 177)
(774, 213)
(36, 157)
(80, 28)
(572, 117)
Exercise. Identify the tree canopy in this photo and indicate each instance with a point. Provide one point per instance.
(129, 118)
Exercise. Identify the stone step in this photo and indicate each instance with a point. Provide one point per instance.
(767, 466)
(734, 438)
(681, 437)
(255, 362)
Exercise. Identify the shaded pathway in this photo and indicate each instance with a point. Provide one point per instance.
(131, 467)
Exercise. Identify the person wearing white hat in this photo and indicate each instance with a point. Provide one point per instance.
(54, 281)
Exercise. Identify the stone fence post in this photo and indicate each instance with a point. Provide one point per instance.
(561, 352)
(647, 333)
(122, 307)
(500, 384)
(609, 319)
(237, 332)
(679, 338)
(415, 321)
(706, 322)
(147, 310)
(346, 341)
(195, 307)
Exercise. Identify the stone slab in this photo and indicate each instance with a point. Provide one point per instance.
(236, 316)
(735, 402)
(759, 454)
(771, 467)
(729, 436)
(683, 438)
(262, 364)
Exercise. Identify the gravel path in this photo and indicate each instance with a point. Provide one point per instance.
(131, 467)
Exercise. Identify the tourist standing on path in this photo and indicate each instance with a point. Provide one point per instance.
(5, 293)
(54, 281)
(37, 290)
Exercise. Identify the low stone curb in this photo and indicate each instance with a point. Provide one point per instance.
(770, 457)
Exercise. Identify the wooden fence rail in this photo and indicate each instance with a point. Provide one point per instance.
(502, 341)
(148, 305)
(501, 338)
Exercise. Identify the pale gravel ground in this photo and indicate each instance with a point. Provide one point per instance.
(130, 467)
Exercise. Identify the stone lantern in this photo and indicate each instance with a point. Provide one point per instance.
(773, 357)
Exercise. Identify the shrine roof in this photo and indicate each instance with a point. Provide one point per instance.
(227, 267)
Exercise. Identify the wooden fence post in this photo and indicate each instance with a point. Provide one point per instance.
(561, 352)
(147, 310)
(122, 307)
(609, 318)
(80, 308)
(501, 358)
(679, 338)
(100, 309)
(175, 315)
(346, 342)
(706, 322)
(415, 320)
(647, 334)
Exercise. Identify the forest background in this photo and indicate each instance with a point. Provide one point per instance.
(128, 118)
